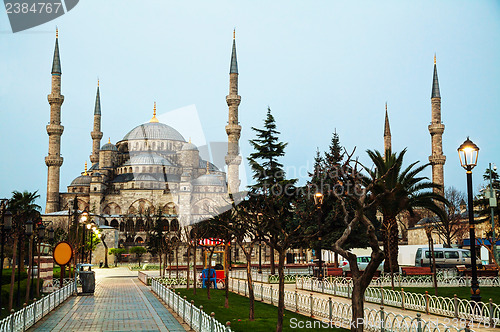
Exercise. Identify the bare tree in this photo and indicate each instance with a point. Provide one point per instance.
(452, 227)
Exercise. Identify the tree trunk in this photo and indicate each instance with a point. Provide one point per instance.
(13, 273)
(273, 268)
(188, 260)
(194, 269)
(281, 290)
(105, 253)
(177, 263)
(251, 296)
(357, 319)
(390, 233)
(30, 269)
(227, 250)
(160, 254)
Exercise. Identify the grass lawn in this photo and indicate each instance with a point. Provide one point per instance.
(462, 292)
(237, 313)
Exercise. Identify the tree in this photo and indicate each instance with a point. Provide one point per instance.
(23, 208)
(103, 240)
(138, 251)
(117, 252)
(269, 172)
(401, 190)
(273, 197)
(452, 227)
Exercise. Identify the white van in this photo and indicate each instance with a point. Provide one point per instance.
(445, 257)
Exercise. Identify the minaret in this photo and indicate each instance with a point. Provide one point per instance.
(96, 134)
(54, 130)
(233, 129)
(387, 135)
(436, 129)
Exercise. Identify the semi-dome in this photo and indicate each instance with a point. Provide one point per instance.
(154, 130)
(82, 180)
(208, 180)
(109, 147)
(189, 147)
(147, 159)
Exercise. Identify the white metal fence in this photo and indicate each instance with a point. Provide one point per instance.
(196, 318)
(484, 313)
(25, 318)
(339, 314)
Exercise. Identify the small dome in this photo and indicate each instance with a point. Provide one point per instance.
(82, 180)
(154, 130)
(94, 167)
(189, 147)
(208, 180)
(109, 147)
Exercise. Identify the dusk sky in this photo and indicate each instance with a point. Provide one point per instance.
(320, 65)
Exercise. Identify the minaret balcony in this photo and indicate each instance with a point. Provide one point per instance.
(233, 100)
(233, 130)
(436, 128)
(437, 159)
(54, 129)
(53, 161)
(55, 99)
(96, 134)
(232, 160)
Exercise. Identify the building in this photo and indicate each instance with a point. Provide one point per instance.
(151, 170)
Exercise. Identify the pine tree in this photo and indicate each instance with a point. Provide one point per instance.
(267, 150)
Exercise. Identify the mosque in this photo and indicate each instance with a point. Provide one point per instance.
(152, 168)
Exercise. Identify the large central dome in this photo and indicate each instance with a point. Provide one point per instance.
(154, 130)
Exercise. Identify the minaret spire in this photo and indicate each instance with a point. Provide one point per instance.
(154, 119)
(436, 129)
(387, 134)
(233, 128)
(96, 133)
(54, 130)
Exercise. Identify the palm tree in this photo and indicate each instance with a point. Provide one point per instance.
(23, 208)
(401, 190)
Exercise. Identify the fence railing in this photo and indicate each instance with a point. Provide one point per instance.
(484, 313)
(338, 314)
(195, 317)
(25, 318)
(264, 277)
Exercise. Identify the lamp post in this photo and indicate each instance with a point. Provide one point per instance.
(6, 226)
(318, 201)
(493, 205)
(83, 220)
(468, 153)
(29, 233)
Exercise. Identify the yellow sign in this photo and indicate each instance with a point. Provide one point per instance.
(63, 253)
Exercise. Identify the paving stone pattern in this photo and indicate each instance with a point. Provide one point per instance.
(120, 303)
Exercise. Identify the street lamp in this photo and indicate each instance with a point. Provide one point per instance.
(318, 201)
(468, 153)
(83, 219)
(6, 226)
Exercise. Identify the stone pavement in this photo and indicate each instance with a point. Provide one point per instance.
(120, 303)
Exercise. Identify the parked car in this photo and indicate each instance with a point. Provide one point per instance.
(445, 257)
(362, 264)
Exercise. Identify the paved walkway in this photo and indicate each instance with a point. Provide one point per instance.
(120, 303)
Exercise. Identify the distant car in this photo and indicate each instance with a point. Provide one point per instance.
(445, 257)
(362, 264)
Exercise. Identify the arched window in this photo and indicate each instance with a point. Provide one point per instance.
(122, 227)
(106, 222)
(118, 210)
(114, 223)
(139, 240)
(120, 243)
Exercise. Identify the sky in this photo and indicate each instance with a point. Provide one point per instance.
(321, 66)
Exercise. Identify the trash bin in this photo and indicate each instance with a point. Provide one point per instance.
(88, 281)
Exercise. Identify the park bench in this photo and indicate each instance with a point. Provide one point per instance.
(416, 271)
(334, 272)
